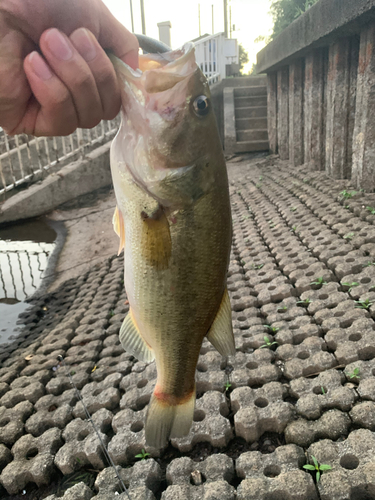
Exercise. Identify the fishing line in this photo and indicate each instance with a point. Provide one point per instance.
(88, 417)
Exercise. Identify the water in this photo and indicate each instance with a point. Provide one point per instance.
(24, 252)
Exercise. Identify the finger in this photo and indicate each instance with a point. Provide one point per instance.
(70, 67)
(54, 112)
(102, 70)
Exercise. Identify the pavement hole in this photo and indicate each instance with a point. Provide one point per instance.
(246, 335)
(136, 426)
(241, 318)
(367, 353)
(143, 401)
(83, 435)
(142, 383)
(349, 260)
(32, 452)
(339, 314)
(354, 337)
(365, 280)
(272, 470)
(303, 355)
(202, 367)
(199, 415)
(271, 288)
(96, 392)
(254, 366)
(323, 296)
(261, 402)
(320, 389)
(311, 273)
(197, 478)
(349, 462)
(5, 421)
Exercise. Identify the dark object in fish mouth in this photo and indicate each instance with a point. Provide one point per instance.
(150, 45)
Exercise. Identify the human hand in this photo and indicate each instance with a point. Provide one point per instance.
(73, 83)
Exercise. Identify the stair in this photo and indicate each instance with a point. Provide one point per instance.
(245, 117)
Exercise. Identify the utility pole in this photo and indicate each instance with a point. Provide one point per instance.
(143, 18)
(199, 18)
(213, 31)
(230, 21)
(131, 14)
(226, 18)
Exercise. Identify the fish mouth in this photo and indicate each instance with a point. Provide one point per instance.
(157, 72)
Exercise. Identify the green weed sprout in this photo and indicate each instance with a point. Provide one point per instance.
(304, 303)
(349, 236)
(227, 386)
(143, 455)
(354, 373)
(319, 282)
(272, 329)
(346, 195)
(280, 309)
(351, 285)
(319, 468)
(363, 304)
(293, 209)
(268, 343)
(371, 210)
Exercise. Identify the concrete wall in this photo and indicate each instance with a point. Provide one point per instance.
(321, 90)
(217, 95)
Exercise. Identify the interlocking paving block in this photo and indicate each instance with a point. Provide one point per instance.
(12, 422)
(5, 456)
(332, 425)
(322, 393)
(183, 470)
(32, 461)
(275, 475)
(211, 374)
(354, 342)
(305, 359)
(142, 480)
(352, 461)
(88, 352)
(254, 369)
(363, 415)
(97, 395)
(22, 389)
(129, 439)
(260, 410)
(79, 491)
(297, 330)
(218, 490)
(82, 445)
(209, 423)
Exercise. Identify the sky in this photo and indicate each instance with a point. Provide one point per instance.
(250, 17)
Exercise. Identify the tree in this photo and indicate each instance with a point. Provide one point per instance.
(243, 57)
(284, 12)
(253, 69)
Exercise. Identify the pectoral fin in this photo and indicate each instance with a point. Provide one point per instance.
(119, 228)
(132, 341)
(221, 332)
(156, 245)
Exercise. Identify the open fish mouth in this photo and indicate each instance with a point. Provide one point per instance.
(157, 72)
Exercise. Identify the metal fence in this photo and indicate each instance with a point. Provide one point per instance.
(22, 265)
(25, 158)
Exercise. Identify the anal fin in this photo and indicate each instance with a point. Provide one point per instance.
(221, 332)
(132, 341)
(119, 228)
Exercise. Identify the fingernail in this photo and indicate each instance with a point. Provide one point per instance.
(131, 59)
(39, 66)
(84, 43)
(58, 45)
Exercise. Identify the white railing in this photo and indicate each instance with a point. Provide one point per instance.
(209, 53)
(24, 158)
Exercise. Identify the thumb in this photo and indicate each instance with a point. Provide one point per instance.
(113, 35)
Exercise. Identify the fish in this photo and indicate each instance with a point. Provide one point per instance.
(173, 218)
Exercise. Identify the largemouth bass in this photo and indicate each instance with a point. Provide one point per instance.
(174, 222)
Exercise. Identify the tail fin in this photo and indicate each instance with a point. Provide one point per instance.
(165, 421)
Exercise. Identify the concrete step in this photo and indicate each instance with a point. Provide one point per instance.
(249, 146)
(252, 135)
(250, 91)
(251, 112)
(244, 102)
(251, 123)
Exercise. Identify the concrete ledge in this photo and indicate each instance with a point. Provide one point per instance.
(229, 121)
(326, 21)
(78, 178)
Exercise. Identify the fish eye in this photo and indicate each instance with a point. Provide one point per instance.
(201, 105)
